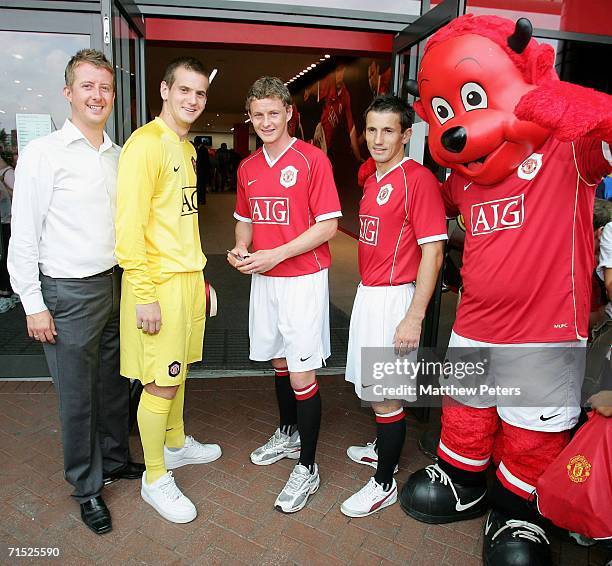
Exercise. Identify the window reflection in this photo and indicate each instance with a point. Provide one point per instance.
(32, 75)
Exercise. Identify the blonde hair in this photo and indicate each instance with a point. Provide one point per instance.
(91, 56)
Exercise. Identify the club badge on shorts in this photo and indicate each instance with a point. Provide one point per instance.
(384, 194)
(579, 469)
(174, 369)
(530, 167)
(288, 176)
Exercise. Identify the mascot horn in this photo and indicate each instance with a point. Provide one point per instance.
(526, 152)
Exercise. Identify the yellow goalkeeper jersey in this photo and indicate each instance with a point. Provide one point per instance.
(157, 214)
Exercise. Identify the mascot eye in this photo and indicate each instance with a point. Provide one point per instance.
(473, 96)
(442, 109)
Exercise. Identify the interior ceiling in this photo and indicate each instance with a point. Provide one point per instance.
(237, 70)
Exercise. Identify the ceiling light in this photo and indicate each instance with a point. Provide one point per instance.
(217, 115)
(231, 129)
(311, 67)
(247, 120)
(39, 95)
(2, 112)
(322, 59)
(212, 76)
(16, 81)
(17, 56)
(327, 55)
(29, 89)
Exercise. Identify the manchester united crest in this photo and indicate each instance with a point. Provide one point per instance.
(288, 176)
(578, 469)
(530, 167)
(174, 369)
(384, 194)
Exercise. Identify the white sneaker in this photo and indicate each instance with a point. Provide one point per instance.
(299, 487)
(365, 455)
(279, 446)
(192, 452)
(369, 499)
(167, 499)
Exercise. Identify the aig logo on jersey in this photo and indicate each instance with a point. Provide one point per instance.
(495, 215)
(384, 194)
(288, 176)
(530, 167)
(368, 229)
(269, 210)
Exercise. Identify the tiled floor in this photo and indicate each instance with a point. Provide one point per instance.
(236, 521)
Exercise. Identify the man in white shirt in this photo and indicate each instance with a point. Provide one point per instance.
(62, 265)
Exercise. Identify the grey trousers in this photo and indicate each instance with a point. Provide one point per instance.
(84, 364)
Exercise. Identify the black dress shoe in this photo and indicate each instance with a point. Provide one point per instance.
(129, 471)
(96, 516)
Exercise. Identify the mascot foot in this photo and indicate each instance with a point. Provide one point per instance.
(430, 496)
(511, 542)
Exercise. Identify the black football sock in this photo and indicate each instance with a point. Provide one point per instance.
(285, 397)
(308, 422)
(390, 436)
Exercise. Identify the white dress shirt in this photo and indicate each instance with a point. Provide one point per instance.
(63, 212)
(605, 258)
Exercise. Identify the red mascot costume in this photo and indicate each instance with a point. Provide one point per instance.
(526, 152)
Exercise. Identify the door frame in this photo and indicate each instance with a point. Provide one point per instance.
(36, 21)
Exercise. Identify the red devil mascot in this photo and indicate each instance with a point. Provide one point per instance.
(526, 152)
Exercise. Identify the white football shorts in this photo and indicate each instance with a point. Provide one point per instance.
(289, 318)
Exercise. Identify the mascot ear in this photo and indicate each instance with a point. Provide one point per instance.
(420, 110)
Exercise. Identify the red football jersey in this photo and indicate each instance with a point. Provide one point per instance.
(337, 108)
(528, 255)
(282, 198)
(398, 212)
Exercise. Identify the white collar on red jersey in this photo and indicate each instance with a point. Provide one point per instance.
(379, 179)
(271, 162)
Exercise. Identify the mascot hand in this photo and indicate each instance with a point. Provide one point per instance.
(367, 168)
(568, 110)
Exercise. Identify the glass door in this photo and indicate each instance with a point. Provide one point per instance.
(37, 47)
(408, 48)
(128, 59)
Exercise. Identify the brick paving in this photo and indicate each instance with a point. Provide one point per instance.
(236, 523)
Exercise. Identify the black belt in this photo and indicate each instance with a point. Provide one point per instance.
(114, 269)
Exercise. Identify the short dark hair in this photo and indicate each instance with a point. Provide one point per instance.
(189, 63)
(395, 105)
(602, 213)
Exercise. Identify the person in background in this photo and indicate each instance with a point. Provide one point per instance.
(63, 266)
(7, 181)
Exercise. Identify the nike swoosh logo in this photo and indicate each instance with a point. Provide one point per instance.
(304, 359)
(466, 187)
(543, 418)
(249, 183)
(177, 168)
(463, 506)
